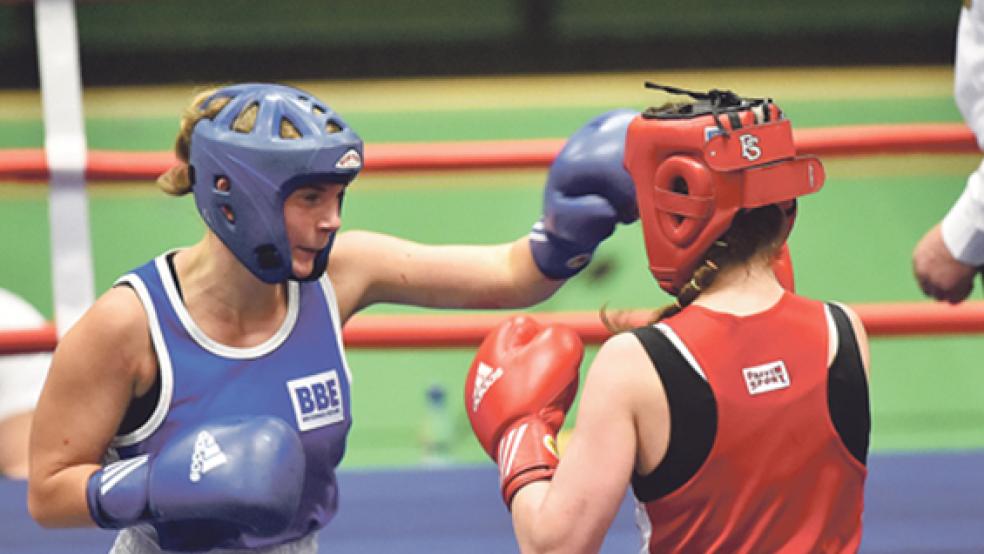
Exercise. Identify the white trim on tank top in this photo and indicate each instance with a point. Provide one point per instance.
(643, 524)
(681, 347)
(215, 347)
(163, 363)
(336, 321)
(832, 335)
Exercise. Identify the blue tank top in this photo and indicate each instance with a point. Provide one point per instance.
(299, 375)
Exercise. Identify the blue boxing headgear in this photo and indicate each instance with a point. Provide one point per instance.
(264, 168)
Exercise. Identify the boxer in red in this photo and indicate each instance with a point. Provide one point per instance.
(740, 416)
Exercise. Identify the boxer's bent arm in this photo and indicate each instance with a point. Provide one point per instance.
(368, 268)
(91, 381)
(572, 513)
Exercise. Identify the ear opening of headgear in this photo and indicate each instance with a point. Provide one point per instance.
(696, 164)
(683, 197)
(268, 141)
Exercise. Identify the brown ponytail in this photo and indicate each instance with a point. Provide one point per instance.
(702, 279)
(177, 181)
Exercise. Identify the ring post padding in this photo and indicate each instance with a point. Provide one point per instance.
(65, 150)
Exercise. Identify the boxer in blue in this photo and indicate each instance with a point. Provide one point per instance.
(203, 402)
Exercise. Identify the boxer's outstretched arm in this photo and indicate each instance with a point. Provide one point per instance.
(586, 194)
(369, 268)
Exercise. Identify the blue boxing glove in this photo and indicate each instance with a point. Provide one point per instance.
(246, 471)
(588, 191)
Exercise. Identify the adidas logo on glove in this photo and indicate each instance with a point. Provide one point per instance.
(485, 377)
(206, 457)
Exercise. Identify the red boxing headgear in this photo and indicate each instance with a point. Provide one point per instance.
(694, 166)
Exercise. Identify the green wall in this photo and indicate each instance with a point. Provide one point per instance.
(179, 40)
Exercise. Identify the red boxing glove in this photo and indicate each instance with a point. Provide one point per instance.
(517, 392)
(782, 266)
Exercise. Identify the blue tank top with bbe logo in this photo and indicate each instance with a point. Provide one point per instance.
(299, 375)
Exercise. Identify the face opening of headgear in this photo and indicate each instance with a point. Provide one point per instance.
(695, 165)
(296, 140)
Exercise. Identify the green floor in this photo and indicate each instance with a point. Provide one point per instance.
(852, 243)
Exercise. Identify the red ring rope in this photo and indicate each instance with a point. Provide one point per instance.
(441, 331)
(468, 330)
(30, 165)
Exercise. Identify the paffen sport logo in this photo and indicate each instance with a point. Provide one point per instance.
(766, 377)
(485, 377)
(317, 400)
(750, 149)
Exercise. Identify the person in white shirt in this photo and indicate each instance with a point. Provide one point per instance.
(21, 379)
(948, 257)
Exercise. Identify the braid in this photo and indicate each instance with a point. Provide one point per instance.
(703, 278)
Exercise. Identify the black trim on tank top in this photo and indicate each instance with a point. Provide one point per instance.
(141, 407)
(847, 389)
(174, 274)
(693, 418)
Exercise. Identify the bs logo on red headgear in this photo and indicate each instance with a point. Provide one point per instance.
(750, 149)
(317, 400)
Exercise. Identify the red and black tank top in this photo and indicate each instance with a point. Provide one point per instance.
(768, 444)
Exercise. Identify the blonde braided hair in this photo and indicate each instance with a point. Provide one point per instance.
(752, 233)
(702, 279)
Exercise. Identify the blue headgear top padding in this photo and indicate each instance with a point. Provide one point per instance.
(263, 169)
